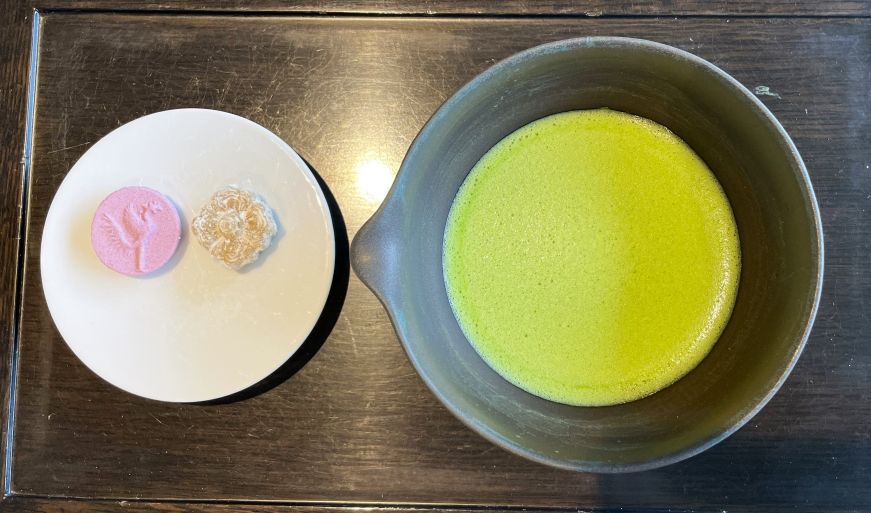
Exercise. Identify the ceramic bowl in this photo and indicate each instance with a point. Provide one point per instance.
(398, 252)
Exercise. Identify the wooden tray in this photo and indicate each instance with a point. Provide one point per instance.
(355, 425)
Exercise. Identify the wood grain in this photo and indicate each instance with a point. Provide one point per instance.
(491, 8)
(37, 505)
(15, 28)
(356, 425)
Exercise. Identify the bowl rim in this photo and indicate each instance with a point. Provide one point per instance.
(692, 60)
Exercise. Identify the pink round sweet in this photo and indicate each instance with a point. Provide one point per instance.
(135, 231)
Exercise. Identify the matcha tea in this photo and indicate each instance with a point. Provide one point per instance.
(591, 258)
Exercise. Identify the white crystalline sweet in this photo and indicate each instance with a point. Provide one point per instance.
(235, 226)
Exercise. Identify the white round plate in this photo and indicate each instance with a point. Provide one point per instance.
(194, 330)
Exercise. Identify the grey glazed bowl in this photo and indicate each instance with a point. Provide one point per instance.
(398, 252)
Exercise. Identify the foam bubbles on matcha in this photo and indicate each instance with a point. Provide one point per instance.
(591, 258)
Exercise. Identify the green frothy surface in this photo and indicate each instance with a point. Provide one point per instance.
(591, 258)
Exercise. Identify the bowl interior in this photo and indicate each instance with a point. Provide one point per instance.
(762, 176)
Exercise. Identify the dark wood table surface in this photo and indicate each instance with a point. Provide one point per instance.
(352, 81)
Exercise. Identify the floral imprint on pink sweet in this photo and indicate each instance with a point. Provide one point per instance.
(135, 231)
